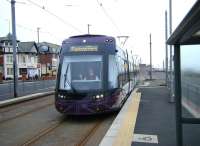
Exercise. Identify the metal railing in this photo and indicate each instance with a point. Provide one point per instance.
(25, 88)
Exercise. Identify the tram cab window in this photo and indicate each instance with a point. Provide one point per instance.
(86, 71)
(82, 72)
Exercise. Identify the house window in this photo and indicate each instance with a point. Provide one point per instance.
(9, 71)
(1, 49)
(11, 49)
(29, 58)
(6, 49)
(23, 59)
(32, 59)
(9, 59)
(35, 58)
(1, 69)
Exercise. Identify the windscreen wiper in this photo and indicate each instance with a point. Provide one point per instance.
(67, 81)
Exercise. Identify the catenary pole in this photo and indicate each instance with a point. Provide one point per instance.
(166, 49)
(38, 34)
(15, 73)
(150, 73)
(88, 28)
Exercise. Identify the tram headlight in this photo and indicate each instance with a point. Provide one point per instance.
(99, 96)
(61, 96)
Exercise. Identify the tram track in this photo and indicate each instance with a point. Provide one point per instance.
(26, 103)
(43, 124)
(89, 134)
(23, 109)
(44, 132)
(26, 113)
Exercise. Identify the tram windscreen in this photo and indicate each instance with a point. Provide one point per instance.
(81, 73)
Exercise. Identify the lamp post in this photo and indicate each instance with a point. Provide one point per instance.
(88, 26)
(15, 74)
(150, 72)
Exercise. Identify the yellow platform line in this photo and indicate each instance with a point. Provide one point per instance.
(125, 135)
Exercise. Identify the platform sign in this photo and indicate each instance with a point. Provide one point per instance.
(85, 48)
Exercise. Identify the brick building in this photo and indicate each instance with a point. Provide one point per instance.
(48, 58)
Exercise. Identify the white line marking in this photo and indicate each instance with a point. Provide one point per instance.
(145, 138)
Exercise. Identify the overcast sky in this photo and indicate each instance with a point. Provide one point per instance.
(62, 18)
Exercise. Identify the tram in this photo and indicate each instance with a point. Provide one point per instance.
(94, 76)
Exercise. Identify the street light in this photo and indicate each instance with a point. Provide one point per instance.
(15, 74)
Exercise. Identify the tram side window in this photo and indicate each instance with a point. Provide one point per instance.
(122, 73)
(113, 71)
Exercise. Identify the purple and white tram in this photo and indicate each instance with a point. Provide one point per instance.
(93, 76)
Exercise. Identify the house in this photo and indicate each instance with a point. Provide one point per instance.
(33, 60)
(27, 60)
(1, 63)
(27, 53)
(48, 58)
(6, 57)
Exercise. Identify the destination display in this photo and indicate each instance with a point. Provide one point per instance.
(88, 48)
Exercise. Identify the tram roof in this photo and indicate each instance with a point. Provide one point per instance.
(188, 31)
(96, 37)
(88, 40)
(87, 35)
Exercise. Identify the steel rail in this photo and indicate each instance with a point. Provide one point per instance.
(89, 134)
(26, 113)
(26, 103)
(42, 133)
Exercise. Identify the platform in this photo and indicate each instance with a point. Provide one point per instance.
(155, 125)
(148, 119)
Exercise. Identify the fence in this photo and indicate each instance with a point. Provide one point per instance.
(25, 88)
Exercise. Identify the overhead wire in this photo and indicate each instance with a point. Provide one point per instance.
(56, 16)
(27, 28)
(33, 30)
(108, 16)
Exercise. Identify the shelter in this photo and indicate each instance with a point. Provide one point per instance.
(186, 42)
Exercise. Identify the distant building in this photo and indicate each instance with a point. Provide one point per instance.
(28, 60)
(144, 69)
(48, 58)
(6, 57)
(34, 60)
(1, 63)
